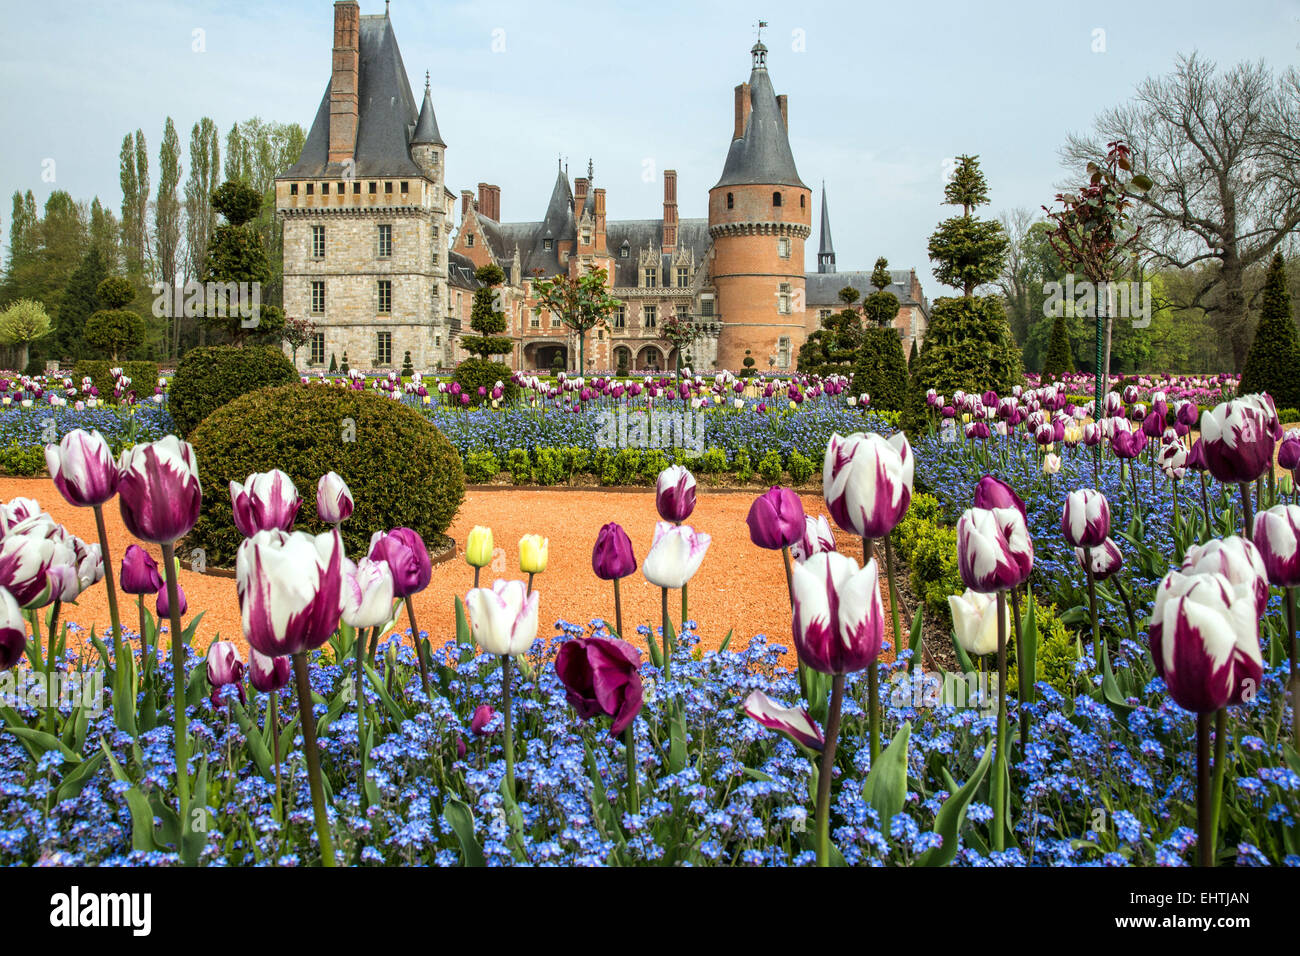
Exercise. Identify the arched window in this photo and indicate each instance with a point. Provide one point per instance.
(802, 204)
(731, 201)
(776, 199)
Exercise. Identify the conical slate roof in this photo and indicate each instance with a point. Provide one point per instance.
(426, 128)
(827, 247)
(559, 222)
(762, 155)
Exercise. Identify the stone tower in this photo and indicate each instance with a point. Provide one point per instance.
(759, 217)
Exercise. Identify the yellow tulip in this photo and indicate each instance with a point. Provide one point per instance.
(533, 553)
(478, 547)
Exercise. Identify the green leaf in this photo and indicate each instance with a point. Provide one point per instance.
(335, 708)
(394, 709)
(600, 799)
(1029, 638)
(75, 782)
(256, 743)
(726, 641)
(915, 640)
(656, 656)
(458, 815)
(886, 785)
(1109, 689)
(142, 826)
(43, 741)
(676, 739)
(515, 820)
(953, 814)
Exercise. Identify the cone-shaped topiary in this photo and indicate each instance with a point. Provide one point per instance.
(1273, 362)
(881, 370)
(1058, 361)
(401, 470)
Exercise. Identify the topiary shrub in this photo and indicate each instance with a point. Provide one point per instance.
(481, 467)
(98, 371)
(208, 378)
(1273, 362)
(800, 467)
(1058, 361)
(475, 373)
(769, 467)
(402, 471)
(880, 369)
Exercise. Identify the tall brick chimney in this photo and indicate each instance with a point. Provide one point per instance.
(344, 111)
(670, 211)
(742, 109)
(600, 219)
(783, 102)
(489, 201)
(580, 187)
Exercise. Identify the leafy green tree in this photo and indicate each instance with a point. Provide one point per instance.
(581, 304)
(22, 324)
(1273, 362)
(485, 318)
(832, 349)
(1059, 361)
(80, 300)
(167, 219)
(238, 255)
(115, 329)
(968, 252)
(881, 307)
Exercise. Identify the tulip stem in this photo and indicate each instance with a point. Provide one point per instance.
(668, 658)
(1000, 757)
(1220, 764)
(275, 746)
(1294, 644)
(530, 584)
(476, 571)
(51, 695)
(1092, 607)
(509, 729)
(358, 655)
(633, 784)
(1204, 812)
(1247, 513)
(1022, 671)
(893, 599)
(827, 768)
(684, 615)
(618, 609)
(805, 687)
(307, 717)
(419, 643)
(1205, 504)
(873, 677)
(112, 590)
(179, 716)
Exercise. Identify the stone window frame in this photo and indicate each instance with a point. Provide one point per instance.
(317, 291)
(784, 294)
(650, 278)
(649, 315)
(683, 277)
(783, 246)
(384, 297)
(777, 199)
(380, 251)
(469, 240)
(318, 242)
(783, 351)
(618, 318)
(316, 356)
(383, 342)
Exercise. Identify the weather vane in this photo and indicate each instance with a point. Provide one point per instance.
(758, 33)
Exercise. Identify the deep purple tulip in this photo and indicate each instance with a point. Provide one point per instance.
(139, 572)
(83, 468)
(1153, 426)
(407, 557)
(838, 618)
(1277, 536)
(776, 519)
(158, 490)
(675, 494)
(267, 501)
(992, 492)
(13, 631)
(1188, 414)
(1196, 456)
(1128, 444)
(1085, 520)
(1204, 638)
(612, 557)
(483, 715)
(290, 590)
(268, 674)
(601, 677)
(1288, 452)
(163, 604)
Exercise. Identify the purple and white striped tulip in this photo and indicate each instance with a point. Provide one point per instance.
(1107, 558)
(817, 538)
(795, 722)
(503, 618)
(267, 501)
(1277, 538)
(158, 490)
(675, 554)
(225, 667)
(675, 494)
(333, 499)
(289, 586)
(1173, 460)
(994, 550)
(867, 482)
(13, 631)
(1239, 439)
(1237, 559)
(367, 593)
(1204, 638)
(267, 674)
(1085, 519)
(82, 468)
(838, 619)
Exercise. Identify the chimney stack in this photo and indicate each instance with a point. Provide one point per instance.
(466, 203)
(489, 201)
(600, 219)
(580, 187)
(783, 101)
(344, 83)
(670, 211)
(742, 109)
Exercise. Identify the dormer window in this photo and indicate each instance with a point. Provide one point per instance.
(469, 241)
(546, 244)
(776, 199)
(623, 251)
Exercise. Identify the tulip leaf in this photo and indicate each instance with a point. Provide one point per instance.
(124, 700)
(656, 656)
(256, 742)
(372, 794)
(962, 657)
(1029, 640)
(464, 636)
(377, 682)
(335, 708)
(726, 641)
(915, 639)
(142, 827)
(953, 814)
(676, 738)
(600, 799)
(44, 742)
(1109, 689)
(461, 820)
(886, 785)
(515, 821)
(76, 781)
(1292, 758)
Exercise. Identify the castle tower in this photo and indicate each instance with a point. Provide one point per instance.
(759, 217)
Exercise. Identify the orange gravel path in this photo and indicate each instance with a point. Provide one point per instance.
(739, 586)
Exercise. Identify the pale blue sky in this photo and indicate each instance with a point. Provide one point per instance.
(880, 95)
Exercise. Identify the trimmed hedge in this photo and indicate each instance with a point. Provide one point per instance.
(207, 378)
(474, 373)
(402, 471)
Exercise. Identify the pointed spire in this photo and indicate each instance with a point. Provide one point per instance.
(826, 252)
(426, 127)
(761, 154)
(591, 170)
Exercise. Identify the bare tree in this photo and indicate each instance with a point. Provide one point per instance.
(1223, 152)
(1018, 278)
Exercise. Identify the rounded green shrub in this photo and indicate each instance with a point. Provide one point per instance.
(769, 467)
(800, 467)
(403, 472)
(208, 378)
(474, 373)
(481, 467)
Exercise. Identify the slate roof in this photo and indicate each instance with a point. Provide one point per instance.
(823, 289)
(388, 113)
(426, 127)
(826, 245)
(460, 271)
(762, 155)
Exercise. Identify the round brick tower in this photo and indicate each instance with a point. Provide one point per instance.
(760, 213)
